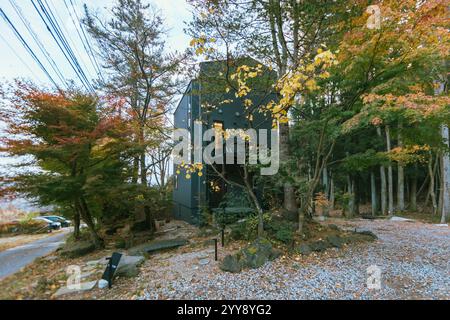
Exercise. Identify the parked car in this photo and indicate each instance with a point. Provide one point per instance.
(64, 222)
(51, 224)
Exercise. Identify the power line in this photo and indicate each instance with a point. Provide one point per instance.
(61, 22)
(61, 45)
(27, 47)
(38, 42)
(51, 18)
(84, 39)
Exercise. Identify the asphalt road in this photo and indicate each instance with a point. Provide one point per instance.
(13, 259)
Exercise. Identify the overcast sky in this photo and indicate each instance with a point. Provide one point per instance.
(16, 62)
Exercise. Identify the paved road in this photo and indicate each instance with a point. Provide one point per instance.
(13, 259)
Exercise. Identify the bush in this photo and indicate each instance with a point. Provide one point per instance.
(247, 229)
(26, 226)
(281, 230)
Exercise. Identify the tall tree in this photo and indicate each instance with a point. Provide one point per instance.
(131, 44)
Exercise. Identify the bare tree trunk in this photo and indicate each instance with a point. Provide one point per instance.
(87, 217)
(373, 193)
(326, 210)
(390, 179)
(383, 191)
(76, 223)
(249, 187)
(135, 170)
(351, 200)
(332, 196)
(413, 191)
(445, 176)
(289, 203)
(431, 188)
(400, 178)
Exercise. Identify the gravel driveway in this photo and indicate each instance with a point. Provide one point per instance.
(412, 257)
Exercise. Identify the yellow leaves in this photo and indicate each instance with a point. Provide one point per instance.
(215, 186)
(303, 79)
(248, 103)
(200, 45)
(311, 85)
(409, 154)
(190, 168)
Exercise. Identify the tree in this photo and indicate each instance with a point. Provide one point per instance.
(69, 142)
(139, 70)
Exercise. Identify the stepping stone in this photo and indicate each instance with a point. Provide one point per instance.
(203, 262)
(395, 218)
(84, 286)
(155, 246)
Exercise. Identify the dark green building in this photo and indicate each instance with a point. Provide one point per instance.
(207, 100)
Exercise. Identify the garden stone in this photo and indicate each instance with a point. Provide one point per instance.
(77, 249)
(128, 266)
(231, 263)
(304, 249)
(155, 246)
(335, 241)
(319, 246)
(84, 286)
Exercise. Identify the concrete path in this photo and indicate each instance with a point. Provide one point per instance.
(13, 259)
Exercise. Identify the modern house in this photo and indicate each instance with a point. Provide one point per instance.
(192, 196)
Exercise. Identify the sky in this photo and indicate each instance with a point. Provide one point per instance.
(16, 62)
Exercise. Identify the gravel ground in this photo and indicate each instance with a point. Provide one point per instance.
(413, 258)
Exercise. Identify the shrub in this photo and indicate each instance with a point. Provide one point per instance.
(281, 230)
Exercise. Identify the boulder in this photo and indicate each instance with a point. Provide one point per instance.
(304, 249)
(84, 286)
(319, 246)
(128, 266)
(155, 246)
(369, 235)
(77, 249)
(335, 241)
(231, 263)
(333, 227)
(401, 219)
(253, 256)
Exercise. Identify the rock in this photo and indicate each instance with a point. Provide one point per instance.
(319, 246)
(304, 249)
(86, 275)
(84, 286)
(368, 234)
(395, 218)
(155, 246)
(50, 258)
(102, 284)
(333, 227)
(128, 266)
(77, 249)
(231, 263)
(203, 262)
(253, 256)
(335, 241)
